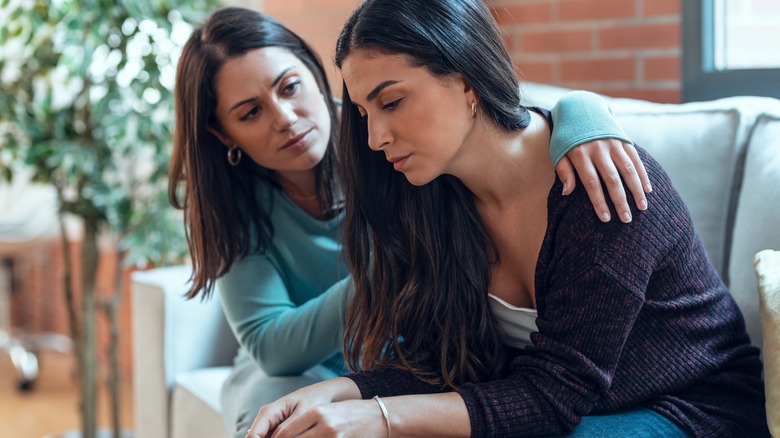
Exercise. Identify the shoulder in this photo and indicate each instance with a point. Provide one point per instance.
(574, 229)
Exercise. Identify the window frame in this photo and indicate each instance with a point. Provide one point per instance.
(700, 79)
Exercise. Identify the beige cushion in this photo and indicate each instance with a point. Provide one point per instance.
(767, 264)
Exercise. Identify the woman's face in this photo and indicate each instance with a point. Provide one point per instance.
(270, 106)
(418, 120)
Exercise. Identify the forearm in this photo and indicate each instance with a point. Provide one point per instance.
(284, 339)
(415, 408)
(429, 415)
(338, 389)
(296, 339)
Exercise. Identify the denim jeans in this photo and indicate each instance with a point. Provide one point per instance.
(636, 423)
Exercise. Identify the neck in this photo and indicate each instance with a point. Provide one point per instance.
(300, 186)
(496, 164)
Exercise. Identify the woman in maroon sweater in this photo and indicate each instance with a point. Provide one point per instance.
(486, 304)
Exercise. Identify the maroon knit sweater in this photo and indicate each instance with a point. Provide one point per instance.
(628, 315)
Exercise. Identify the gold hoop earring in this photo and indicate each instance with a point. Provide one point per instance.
(234, 156)
(474, 109)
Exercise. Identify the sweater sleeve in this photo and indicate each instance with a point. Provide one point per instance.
(580, 117)
(390, 382)
(284, 339)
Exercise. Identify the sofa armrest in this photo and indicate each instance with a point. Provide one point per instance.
(767, 265)
(171, 335)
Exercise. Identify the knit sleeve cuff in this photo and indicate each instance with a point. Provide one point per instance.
(389, 382)
(580, 117)
(476, 418)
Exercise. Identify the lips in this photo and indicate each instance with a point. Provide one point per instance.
(295, 140)
(399, 161)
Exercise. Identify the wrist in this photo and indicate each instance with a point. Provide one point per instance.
(385, 414)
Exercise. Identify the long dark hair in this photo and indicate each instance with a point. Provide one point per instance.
(420, 256)
(223, 218)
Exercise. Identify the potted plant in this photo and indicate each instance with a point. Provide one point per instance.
(86, 105)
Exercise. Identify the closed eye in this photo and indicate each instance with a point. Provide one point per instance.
(392, 105)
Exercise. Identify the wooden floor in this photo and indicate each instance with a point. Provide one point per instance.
(52, 406)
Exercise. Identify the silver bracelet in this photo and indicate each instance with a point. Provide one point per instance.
(384, 413)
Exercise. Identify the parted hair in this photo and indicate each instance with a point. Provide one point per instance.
(224, 217)
(419, 256)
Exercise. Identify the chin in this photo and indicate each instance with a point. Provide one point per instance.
(316, 154)
(416, 179)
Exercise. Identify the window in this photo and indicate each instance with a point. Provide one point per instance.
(730, 48)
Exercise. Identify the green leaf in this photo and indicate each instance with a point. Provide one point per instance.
(80, 129)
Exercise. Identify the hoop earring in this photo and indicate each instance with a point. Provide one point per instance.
(474, 109)
(234, 156)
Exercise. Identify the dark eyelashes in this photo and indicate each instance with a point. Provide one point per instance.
(389, 106)
(249, 114)
(392, 105)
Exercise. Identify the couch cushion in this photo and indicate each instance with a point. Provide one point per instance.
(698, 148)
(768, 272)
(195, 409)
(757, 223)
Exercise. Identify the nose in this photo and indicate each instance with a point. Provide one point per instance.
(378, 135)
(285, 116)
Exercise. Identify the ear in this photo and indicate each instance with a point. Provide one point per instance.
(464, 85)
(221, 137)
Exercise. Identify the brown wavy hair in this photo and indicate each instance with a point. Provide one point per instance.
(419, 256)
(223, 216)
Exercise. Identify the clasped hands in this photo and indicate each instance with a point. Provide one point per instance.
(332, 408)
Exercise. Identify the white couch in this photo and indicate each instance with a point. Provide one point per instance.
(723, 156)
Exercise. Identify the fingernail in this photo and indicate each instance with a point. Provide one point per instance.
(564, 189)
(648, 188)
(605, 216)
(643, 204)
(625, 217)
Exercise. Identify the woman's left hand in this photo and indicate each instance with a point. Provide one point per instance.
(606, 159)
(280, 413)
(350, 418)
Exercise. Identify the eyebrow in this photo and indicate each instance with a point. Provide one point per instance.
(273, 84)
(372, 95)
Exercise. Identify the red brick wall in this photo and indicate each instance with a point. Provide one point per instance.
(318, 22)
(38, 297)
(626, 48)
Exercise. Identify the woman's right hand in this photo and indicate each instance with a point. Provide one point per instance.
(273, 414)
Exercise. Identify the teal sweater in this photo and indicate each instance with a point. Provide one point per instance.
(287, 306)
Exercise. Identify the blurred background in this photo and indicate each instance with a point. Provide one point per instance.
(85, 123)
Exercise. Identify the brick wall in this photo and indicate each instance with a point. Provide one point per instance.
(38, 298)
(626, 48)
(318, 22)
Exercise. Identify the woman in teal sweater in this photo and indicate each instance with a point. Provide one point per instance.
(253, 170)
